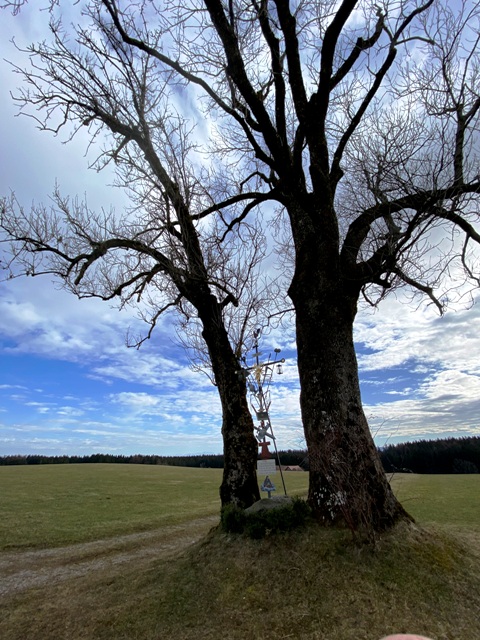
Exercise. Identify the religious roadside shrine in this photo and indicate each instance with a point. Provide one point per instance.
(258, 377)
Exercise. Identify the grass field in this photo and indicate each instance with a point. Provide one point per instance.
(441, 499)
(52, 505)
(312, 585)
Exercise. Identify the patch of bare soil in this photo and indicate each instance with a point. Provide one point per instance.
(22, 570)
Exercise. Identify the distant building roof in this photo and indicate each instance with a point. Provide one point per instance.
(291, 467)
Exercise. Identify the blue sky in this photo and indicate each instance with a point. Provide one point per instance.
(68, 384)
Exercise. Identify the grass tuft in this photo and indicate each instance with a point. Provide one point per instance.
(259, 524)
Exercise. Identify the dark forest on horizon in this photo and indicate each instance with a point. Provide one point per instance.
(448, 455)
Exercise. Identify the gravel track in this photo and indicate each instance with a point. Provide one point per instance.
(23, 570)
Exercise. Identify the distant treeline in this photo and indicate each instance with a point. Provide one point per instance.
(212, 461)
(450, 455)
(215, 461)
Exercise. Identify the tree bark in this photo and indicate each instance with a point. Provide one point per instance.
(347, 482)
(239, 485)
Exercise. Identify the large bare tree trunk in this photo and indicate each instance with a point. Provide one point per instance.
(347, 480)
(240, 447)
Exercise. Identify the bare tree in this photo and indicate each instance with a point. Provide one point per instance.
(360, 121)
(167, 250)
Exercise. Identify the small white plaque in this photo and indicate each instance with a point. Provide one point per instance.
(266, 467)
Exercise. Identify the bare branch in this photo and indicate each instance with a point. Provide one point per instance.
(292, 50)
(428, 291)
(361, 45)
(277, 68)
(152, 321)
(111, 7)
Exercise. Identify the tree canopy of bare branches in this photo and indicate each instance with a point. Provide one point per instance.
(359, 121)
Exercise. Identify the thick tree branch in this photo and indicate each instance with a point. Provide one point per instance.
(360, 46)
(422, 201)
(255, 196)
(336, 172)
(292, 49)
(379, 77)
(111, 7)
(459, 221)
(277, 68)
(320, 100)
(237, 72)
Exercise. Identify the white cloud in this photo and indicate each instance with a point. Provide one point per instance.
(399, 333)
(438, 390)
(70, 412)
(142, 400)
(12, 386)
(447, 403)
(37, 318)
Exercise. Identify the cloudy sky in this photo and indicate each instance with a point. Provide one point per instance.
(68, 384)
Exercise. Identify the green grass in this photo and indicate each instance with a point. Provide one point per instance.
(51, 505)
(312, 584)
(440, 499)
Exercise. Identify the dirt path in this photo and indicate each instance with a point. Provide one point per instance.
(22, 570)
